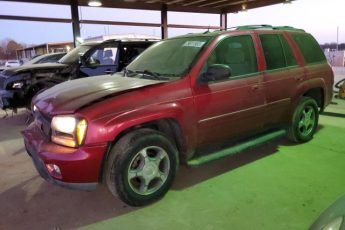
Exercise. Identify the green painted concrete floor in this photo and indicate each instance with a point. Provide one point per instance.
(276, 186)
(283, 187)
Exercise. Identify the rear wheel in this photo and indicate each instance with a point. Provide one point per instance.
(304, 120)
(141, 167)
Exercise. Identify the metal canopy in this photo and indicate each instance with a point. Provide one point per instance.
(221, 7)
(198, 6)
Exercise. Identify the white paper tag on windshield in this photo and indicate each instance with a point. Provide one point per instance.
(194, 44)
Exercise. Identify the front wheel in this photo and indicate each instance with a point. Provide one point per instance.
(304, 120)
(141, 167)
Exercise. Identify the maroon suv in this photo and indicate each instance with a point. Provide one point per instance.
(178, 102)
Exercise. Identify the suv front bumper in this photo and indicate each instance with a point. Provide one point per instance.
(80, 168)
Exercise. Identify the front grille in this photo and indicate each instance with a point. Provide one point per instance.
(43, 122)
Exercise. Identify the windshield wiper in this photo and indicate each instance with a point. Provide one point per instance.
(149, 74)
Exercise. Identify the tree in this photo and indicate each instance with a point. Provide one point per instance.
(11, 48)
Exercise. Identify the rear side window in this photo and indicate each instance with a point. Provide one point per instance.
(277, 51)
(310, 49)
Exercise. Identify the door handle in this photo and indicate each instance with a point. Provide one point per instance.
(299, 78)
(108, 71)
(255, 87)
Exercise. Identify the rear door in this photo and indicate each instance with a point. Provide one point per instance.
(281, 77)
(234, 106)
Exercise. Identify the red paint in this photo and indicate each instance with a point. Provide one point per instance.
(205, 113)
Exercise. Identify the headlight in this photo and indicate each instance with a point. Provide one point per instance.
(335, 224)
(68, 130)
(17, 85)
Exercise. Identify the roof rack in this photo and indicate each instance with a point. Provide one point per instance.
(265, 27)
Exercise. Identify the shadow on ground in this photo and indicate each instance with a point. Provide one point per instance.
(34, 202)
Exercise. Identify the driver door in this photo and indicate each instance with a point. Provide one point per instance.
(100, 61)
(233, 106)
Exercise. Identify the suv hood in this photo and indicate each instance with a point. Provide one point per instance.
(14, 70)
(70, 96)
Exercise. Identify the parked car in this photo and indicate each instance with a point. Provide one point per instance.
(178, 102)
(332, 218)
(12, 63)
(19, 85)
(46, 58)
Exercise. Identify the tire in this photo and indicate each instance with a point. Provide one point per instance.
(304, 121)
(141, 167)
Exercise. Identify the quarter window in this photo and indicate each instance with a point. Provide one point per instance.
(310, 49)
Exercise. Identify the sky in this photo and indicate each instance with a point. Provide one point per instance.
(319, 17)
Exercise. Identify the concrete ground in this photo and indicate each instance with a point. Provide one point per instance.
(276, 186)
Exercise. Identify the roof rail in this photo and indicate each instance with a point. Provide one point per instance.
(253, 27)
(290, 28)
(265, 27)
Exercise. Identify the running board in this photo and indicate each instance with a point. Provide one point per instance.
(253, 142)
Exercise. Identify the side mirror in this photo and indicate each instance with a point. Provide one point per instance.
(82, 61)
(216, 72)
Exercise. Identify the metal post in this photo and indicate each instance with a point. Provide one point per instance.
(337, 38)
(75, 20)
(223, 21)
(164, 21)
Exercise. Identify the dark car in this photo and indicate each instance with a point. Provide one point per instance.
(19, 85)
(45, 58)
(190, 99)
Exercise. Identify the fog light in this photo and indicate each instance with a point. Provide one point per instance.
(54, 171)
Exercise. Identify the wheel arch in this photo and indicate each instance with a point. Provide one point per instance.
(169, 126)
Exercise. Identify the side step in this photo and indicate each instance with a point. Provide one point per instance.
(248, 144)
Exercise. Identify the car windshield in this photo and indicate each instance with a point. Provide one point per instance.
(73, 55)
(168, 59)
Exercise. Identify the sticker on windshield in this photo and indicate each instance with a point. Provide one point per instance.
(197, 44)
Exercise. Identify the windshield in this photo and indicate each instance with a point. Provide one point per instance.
(169, 58)
(73, 55)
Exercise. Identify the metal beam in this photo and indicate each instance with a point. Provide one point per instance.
(117, 23)
(193, 27)
(164, 22)
(75, 21)
(35, 19)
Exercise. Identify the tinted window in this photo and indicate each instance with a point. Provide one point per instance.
(290, 58)
(277, 51)
(273, 51)
(236, 52)
(310, 49)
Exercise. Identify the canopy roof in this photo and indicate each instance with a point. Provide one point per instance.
(199, 6)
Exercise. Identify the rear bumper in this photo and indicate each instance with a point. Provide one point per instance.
(79, 167)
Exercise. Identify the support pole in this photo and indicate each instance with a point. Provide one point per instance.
(75, 21)
(164, 21)
(223, 21)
